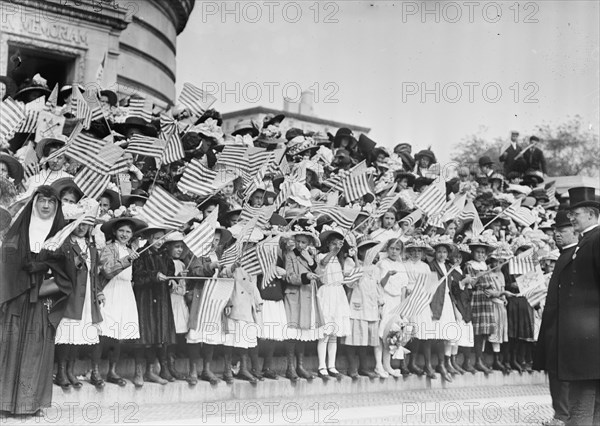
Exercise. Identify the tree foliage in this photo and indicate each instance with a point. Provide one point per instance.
(570, 148)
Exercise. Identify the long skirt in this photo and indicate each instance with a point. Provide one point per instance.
(26, 356)
(500, 335)
(241, 334)
(119, 314)
(274, 321)
(520, 318)
(79, 332)
(482, 314)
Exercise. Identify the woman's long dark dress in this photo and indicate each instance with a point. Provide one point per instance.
(27, 328)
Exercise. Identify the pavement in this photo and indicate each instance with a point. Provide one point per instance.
(514, 404)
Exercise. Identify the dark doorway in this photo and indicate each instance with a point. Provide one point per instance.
(25, 62)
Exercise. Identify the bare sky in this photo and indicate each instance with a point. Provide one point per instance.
(371, 67)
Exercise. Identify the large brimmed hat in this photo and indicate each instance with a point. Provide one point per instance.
(479, 241)
(113, 99)
(109, 226)
(15, 169)
(147, 231)
(174, 237)
(533, 176)
(273, 120)
(401, 174)
(301, 144)
(328, 233)
(47, 142)
(364, 241)
(298, 229)
(136, 194)
(147, 128)
(425, 153)
(34, 89)
(245, 126)
(442, 241)
(583, 196)
(501, 252)
(63, 183)
(485, 161)
(416, 242)
(342, 133)
(365, 144)
(113, 198)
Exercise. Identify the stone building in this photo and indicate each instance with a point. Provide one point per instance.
(65, 41)
(297, 114)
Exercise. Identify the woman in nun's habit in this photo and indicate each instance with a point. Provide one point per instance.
(26, 331)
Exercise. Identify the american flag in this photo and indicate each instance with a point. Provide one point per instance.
(29, 125)
(195, 99)
(114, 155)
(262, 214)
(11, 116)
(469, 212)
(197, 179)
(256, 181)
(100, 70)
(215, 295)
(140, 107)
(91, 183)
(412, 218)
(354, 275)
(413, 305)
(266, 252)
(233, 253)
(199, 241)
(343, 217)
(30, 161)
(386, 203)
(53, 98)
(168, 126)
(550, 189)
(173, 151)
(249, 261)
(356, 185)
(433, 199)
(164, 210)
(454, 207)
(82, 108)
(535, 295)
(519, 214)
(372, 253)
(522, 264)
(234, 157)
(147, 146)
(87, 150)
(336, 182)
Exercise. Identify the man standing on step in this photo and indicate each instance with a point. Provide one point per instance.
(547, 345)
(579, 312)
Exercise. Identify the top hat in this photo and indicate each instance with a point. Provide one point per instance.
(583, 196)
(485, 161)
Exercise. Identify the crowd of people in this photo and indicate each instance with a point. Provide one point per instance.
(406, 266)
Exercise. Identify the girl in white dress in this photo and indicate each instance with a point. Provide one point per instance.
(118, 306)
(332, 302)
(394, 282)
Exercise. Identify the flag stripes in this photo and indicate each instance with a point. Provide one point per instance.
(386, 203)
(412, 218)
(91, 183)
(11, 116)
(197, 179)
(522, 264)
(354, 275)
(199, 241)
(216, 292)
(164, 210)
(195, 99)
(82, 108)
(355, 186)
(519, 214)
(85, 150)
(29, 124)
(433, 199)
(140, 107)
(266, 251)
(469, 212)
(343, 217)
(173, 150)
(147, 146)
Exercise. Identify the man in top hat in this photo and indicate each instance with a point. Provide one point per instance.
(509, 156)
(579, 312)
(547, 346)
(534, 156)
(486, 166)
